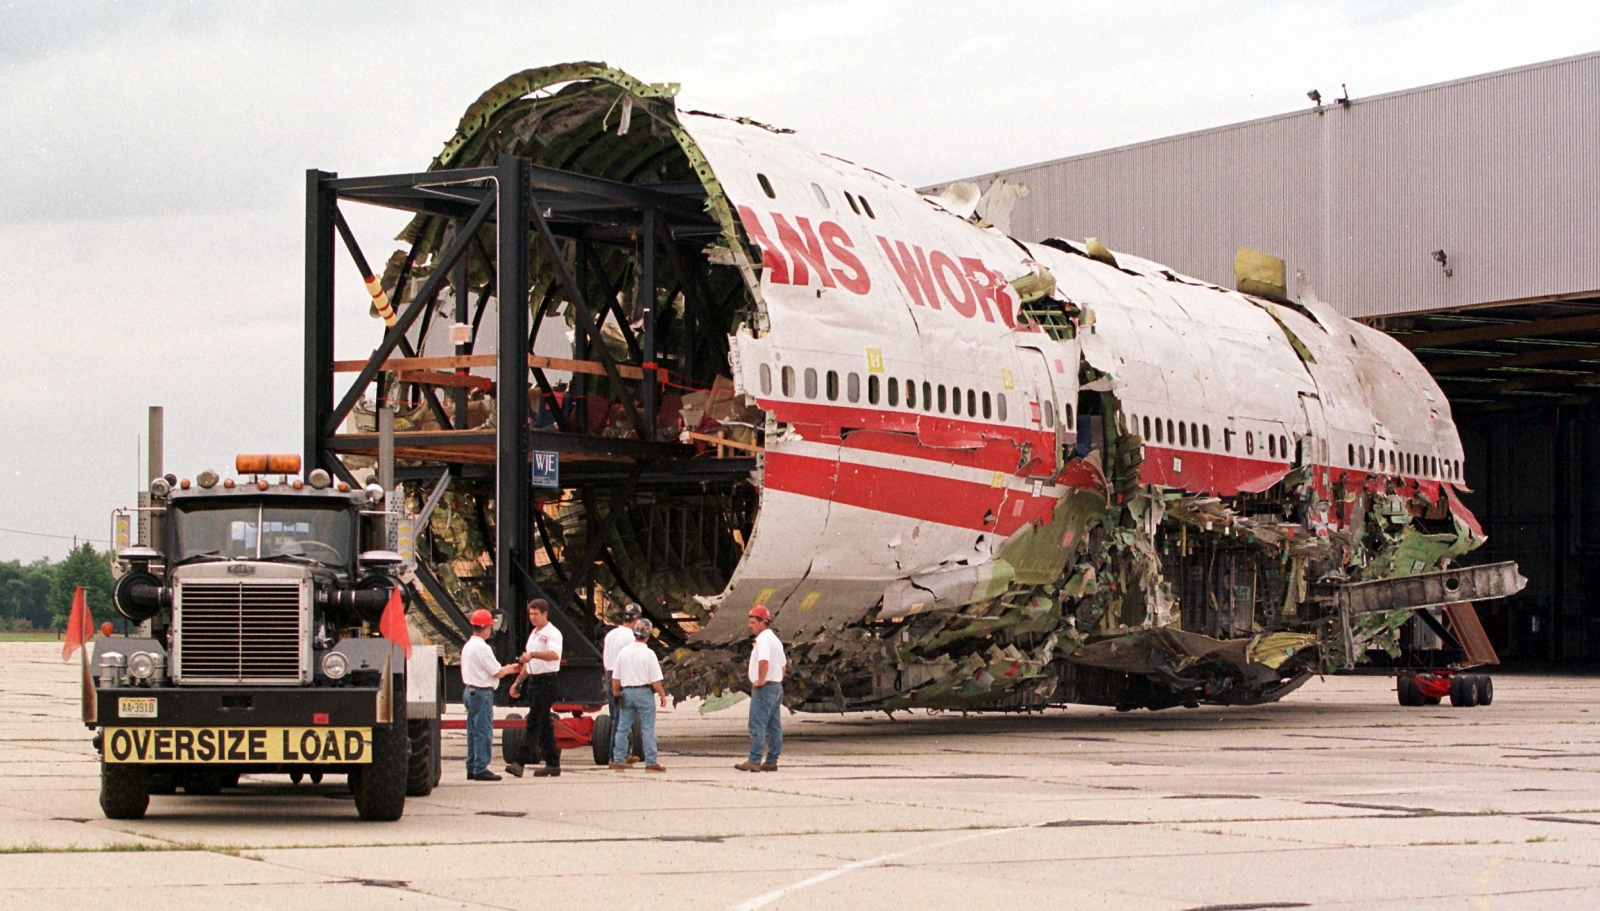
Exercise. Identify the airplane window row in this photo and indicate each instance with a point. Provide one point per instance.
(858, 204)
(946, 399)
(1401, 462)
(1198, 436)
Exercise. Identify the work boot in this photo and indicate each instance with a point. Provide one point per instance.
(632, 759)
(769, 766)
(549, 771)
(484, 775)
(656, 767)
(618, 767)
(748, 766)
(514, 768)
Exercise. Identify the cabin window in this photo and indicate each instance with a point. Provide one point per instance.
(955, 400)
(1249, 442)
(894, 392)
(788, 382)
(866, 207)
(832, 388)
(1049, 413)
(852, 387)
(1382, 459)
(1458, 461)
(942, 394)
(872, 388)
(1000, 405)
(972, 403)
(1227, 440)
(1170, 437)
(1183, 434)
(927, 396)
(766, 186)
(821, 196)
(1394, 461)
(766, 380)
(987, 406)
(911, 393)
(1272, 446)
(1205, 432)
(1194, 434)
(852, 201)
(1160, 438)
(1351, 461)
(1147, 426)
(811, 382)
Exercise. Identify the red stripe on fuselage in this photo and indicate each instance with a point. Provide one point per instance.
(931, 498)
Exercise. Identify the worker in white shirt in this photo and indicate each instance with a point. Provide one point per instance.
(620, 638)
(638, 672)
(541, 661)
(480, 670)
(766, 694)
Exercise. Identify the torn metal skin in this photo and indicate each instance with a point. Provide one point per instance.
(988, 475)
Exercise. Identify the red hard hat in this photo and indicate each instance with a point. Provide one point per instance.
(481, 617)
(760, 611)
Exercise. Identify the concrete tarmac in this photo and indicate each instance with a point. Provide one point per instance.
(1336, 798)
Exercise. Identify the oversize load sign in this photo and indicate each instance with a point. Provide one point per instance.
(224, 745)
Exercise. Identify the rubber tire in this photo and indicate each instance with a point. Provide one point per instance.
(316, 778)
(424, 735)
(124, 790)
(202, 782)
(1464, 691)
(296, 777)
(511, 739)
(600, 740)
(1405, 689)
(380, 786)
(1485, 689)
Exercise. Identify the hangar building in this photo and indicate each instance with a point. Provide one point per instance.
(1464, 219)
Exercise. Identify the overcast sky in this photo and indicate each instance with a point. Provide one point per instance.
(152, 185)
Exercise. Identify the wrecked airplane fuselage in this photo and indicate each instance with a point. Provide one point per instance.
(971, 472)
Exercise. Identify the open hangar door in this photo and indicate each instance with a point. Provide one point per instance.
(1524, 387)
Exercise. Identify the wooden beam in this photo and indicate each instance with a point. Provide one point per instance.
(453, 362)
(720, 442)
(1532, 329)
(440, 378)
(1525, 359)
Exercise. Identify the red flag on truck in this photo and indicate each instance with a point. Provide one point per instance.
(80, 625)
(393, 624)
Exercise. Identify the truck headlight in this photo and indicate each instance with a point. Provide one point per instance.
(140, 667)
(335, 666)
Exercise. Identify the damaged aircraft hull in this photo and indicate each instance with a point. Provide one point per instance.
(983, 473)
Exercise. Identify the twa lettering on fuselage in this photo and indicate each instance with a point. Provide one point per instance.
(799, 253)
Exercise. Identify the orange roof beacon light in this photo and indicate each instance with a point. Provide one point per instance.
(267, 463)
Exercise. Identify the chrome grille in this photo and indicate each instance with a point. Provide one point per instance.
(240, 632)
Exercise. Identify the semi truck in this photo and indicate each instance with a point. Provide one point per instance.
(267, 636)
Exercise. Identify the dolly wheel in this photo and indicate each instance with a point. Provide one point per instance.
(1464, 690)
(1485, 689)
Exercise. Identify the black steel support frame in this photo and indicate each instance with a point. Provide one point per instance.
(504, 196)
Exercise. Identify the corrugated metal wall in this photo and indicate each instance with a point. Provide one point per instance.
(1500, 171)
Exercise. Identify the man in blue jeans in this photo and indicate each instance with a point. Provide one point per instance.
(480, 671)
(766, 694)
(638, 672)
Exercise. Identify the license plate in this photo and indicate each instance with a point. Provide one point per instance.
(136, 706)
(319, 745)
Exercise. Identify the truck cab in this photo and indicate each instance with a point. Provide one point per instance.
(271, 638)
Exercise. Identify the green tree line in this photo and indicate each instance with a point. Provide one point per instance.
(38, 595)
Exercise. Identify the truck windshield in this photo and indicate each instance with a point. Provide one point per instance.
(257, 531)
